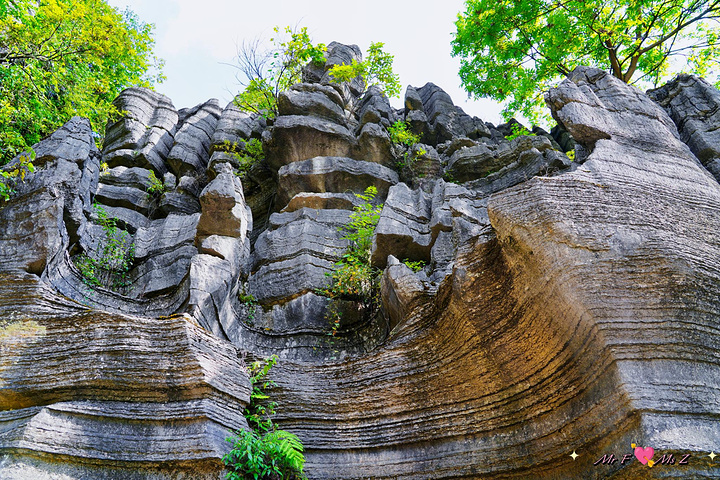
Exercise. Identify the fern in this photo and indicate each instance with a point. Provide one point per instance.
(290, 448)
(265, 453)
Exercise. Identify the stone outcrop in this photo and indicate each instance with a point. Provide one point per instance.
(694, 106)
(528, 306)
(547, 327)
(89, 394)
(94, 380)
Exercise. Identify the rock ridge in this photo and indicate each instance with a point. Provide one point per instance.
(550, 305)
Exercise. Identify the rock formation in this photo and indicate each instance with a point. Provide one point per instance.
(560, 305)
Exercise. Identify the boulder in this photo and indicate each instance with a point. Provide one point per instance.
(161, 272)
(191, 150)
(374, 145)
(295, 138)
(399, 288)
(301, 246)
(126, 197)
(43, 217)
(143, 136)
(223, 208)
(211, 282)
(314, 100)
(165, 235)
(235, 126)
(447, 120)
(494, 167)
(322, 201)
(170, 390)
(134, 177)
(30, 236)
(694, 106)
(412, 99)
(333, 174)
(374, 107)
(178, 202)
(73, 142)
(404, 226)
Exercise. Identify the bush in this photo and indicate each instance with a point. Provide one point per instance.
(277, 454)
(156, 188)
(403, 138)
(18, 171)
(518, 131)
(400, 135)
(252, 155)
(376, 70)
(354, 277)
(116, 257)
(415, 266)
(265, 452)
(268, 72)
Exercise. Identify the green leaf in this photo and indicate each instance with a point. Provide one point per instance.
(513, 51)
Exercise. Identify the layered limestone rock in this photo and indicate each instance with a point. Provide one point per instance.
(89, 394)
(567, 325)
(694, 106)
(528, 305)
(102, 373)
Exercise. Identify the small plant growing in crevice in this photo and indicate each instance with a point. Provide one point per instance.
(415, 266)
(375, 70)
(518, 131)
(251, 306)
(264, 452)
(116, 254)
(9, 178)
(156, 188)
(252, 155)
(403, 138)
(354, 277)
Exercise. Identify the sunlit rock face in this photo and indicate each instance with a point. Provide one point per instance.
(559, 305)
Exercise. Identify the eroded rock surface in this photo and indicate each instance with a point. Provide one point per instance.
(528, 305)
(547, 327)
(694, 106)
(103, 374)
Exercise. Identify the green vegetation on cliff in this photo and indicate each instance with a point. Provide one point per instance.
(377, 69)
(514, 50)
(60, 58)
(265, 452)
(266, 73)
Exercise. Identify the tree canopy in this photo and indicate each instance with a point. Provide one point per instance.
(266, 73)
(375, 70)
(515, 49)
(60, 58)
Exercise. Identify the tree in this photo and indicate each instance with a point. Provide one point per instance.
(60, 58)
(376, 70)
(516, 49)
(266, 73)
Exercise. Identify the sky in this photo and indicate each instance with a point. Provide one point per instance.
(198, 39)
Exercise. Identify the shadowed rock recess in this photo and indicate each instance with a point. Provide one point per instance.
(563, 305)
